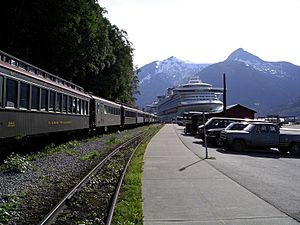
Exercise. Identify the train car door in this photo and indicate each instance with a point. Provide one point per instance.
(102, 112)
(92, 113)
(1, 91)
(122, 116)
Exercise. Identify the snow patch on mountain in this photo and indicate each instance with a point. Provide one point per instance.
(250, 60)
(156, 77)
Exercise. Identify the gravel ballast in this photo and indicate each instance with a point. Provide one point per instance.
(50, 178)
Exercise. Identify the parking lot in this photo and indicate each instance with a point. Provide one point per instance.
(270, 175)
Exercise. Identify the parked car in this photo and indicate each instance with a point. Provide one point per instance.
(216, 125)
(262, 135)
(213, 135)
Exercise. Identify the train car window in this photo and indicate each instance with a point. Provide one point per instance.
(70, 102)
(64, 103)
(52, 101)
(11, 93)
(130, 114)
(81, 106)
(78, 106)
(74, 105)
(87, 107)
(58, 102)
(1, 90)
(13, 62)
(22, 66)
(24, 96)
(116, 111)
(35, 95)
(105, 109)
(30, 69)
(44, 100)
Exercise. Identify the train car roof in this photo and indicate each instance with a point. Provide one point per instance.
(130, 108)
(105, 100)
(17, 65)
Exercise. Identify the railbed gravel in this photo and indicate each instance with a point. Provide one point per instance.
(41, 187)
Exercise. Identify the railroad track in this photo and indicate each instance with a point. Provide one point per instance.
(93, 199)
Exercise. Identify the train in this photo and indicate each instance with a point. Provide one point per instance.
(34, 101)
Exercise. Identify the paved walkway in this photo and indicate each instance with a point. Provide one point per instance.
(179, 188)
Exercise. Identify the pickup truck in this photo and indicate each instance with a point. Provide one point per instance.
(262, 135)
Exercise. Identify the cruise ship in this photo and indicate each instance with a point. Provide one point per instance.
(193, 96)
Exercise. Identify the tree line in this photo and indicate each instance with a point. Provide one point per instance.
(74, 40)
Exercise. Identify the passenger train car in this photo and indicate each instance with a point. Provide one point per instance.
(33, 101)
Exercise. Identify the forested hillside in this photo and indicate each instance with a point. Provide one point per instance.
(74, 40)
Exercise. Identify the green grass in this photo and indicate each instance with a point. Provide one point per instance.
(129, 206)
(8, 205)
(68, 148)
(112, 140)
(70, 152)
(90, 155)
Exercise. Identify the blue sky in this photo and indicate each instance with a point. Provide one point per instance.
(207, 31)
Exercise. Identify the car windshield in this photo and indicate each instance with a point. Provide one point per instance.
(231, 126)
(249, 128)
(236, 126)
(208, 122)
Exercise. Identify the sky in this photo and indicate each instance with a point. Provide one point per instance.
(208, 31)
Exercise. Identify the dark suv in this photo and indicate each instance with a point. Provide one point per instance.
(215, 125)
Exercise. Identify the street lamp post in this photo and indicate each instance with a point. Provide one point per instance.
(205, 140)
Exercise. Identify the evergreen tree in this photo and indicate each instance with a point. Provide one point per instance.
(74, 40)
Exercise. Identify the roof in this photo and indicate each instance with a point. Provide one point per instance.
(239, 105)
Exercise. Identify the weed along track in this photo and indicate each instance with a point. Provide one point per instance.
(27, 197)
(90, 201)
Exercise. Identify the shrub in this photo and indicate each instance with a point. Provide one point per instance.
(16, 163)
(8, 205)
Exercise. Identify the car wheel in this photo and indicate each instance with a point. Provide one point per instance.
(238, 145)
(295, 149)
(219, 142)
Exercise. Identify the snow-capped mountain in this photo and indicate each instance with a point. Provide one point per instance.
(156, 77)
(267, 87)
(256, 63)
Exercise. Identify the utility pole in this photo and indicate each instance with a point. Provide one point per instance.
(205, 140)
(224, 94)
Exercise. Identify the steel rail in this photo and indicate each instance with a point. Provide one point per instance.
(50, 217)
(117, 191)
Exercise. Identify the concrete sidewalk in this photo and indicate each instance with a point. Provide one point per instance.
(180, 188)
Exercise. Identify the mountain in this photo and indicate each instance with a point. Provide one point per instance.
(156, 77)
(267, 87)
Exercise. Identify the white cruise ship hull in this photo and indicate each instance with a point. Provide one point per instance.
(203, 106)
(193, 96)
